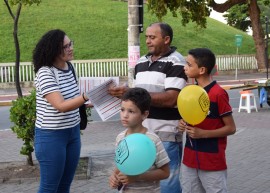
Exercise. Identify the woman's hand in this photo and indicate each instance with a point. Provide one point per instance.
(89, 105)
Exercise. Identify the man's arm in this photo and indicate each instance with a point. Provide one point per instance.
(164, 99)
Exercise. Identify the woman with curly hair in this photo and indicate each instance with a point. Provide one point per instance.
(57, 128)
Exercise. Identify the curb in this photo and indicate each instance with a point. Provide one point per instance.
(6, 103)
(95, 164)
(85, 165)
(18, 180)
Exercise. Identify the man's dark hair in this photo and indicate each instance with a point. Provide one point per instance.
(204, 58)
(48, 48)
(140, 97)
(166, 29)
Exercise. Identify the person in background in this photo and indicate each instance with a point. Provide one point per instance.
(134, 109)
(57, 140)
(204, 168)
(161, 73)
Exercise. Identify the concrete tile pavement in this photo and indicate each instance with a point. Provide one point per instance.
(247, 154)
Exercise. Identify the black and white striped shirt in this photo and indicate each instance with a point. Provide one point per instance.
(166, 73)
(46, 81)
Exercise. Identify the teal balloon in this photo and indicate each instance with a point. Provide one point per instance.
(135, 154)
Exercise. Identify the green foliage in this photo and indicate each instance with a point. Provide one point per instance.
(23, 115)
(88, 112)
(24, 2)
(99, 30)
(187, 9)
(238, 16)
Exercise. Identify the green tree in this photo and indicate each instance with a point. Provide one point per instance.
(15, 16)
(198, 10)
(238, 16)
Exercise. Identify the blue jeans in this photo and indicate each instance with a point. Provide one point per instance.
(58, 154)
(172, 184)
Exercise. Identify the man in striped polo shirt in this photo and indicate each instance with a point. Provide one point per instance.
(161, 73)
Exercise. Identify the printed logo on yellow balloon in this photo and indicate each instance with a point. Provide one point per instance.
(204, 102)
(193, 104)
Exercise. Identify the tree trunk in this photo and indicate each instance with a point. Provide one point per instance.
(258, 34)
(18, 54)
(30, 159)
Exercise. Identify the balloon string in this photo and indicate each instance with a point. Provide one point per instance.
(195, 148)
(189, 137)
(120, 188)
(190, 141)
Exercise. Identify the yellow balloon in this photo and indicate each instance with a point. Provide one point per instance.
(193, 104)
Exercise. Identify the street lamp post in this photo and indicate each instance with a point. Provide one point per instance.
(135, 27)
(266, 45)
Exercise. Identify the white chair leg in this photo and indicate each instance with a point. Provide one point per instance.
(255, 105)
(248, 104)
(240, 104)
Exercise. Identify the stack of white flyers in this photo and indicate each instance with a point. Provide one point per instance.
(105, 104)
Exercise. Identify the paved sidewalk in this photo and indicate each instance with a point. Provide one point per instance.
(247, 153)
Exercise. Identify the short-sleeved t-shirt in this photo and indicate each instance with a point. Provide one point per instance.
(209, 153)
(46, 81)
(161, 159)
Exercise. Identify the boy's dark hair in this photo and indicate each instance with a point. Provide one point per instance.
(204, 58)
(166, 29)
(48, 48)
(140, 97)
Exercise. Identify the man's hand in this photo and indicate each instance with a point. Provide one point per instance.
(118, 91)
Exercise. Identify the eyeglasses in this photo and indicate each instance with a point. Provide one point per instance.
(69, 45)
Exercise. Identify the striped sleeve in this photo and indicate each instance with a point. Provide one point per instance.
(161, 155)
(46, 81)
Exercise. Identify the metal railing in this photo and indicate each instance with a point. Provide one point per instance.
(240, 62)
(84, 68)
(117, 67)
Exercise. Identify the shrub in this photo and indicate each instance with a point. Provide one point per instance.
(23, 115)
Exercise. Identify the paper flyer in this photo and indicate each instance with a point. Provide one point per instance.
(88, 83)
(105, 104)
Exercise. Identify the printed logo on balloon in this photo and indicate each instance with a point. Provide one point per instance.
(193, 104)
(204, 102)
(121, 153)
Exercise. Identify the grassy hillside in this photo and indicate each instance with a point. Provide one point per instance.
(99, 30)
